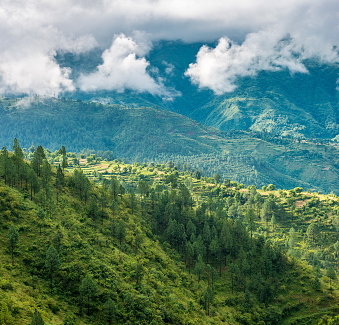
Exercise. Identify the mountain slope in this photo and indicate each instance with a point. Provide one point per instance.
(155, 255)
(156, 135)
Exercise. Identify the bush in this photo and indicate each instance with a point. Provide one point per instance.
(5, 285)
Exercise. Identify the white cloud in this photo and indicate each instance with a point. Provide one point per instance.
(35, 73)
(31, 31)
(274, 49)
(169, 68)
(122, 68)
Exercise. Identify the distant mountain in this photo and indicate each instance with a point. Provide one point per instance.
(299, 105)
(149, 134)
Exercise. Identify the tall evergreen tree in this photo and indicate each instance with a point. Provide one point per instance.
(38, 157)
(13, 239)
(52, 262)
(87, 289)
(59, 181)
(121, 231)
(4, 164)
(41, 215)
(110, 310)
(199, 267)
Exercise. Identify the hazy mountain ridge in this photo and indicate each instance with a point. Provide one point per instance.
(302, 104)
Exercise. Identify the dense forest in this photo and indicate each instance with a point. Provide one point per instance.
(149, 244)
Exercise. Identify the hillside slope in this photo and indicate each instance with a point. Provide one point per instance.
(156, 135)
(154, 256)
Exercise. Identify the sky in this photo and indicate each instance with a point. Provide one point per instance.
(251, 35)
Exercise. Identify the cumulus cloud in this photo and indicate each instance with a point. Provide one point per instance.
(219, 68)
(123, 67)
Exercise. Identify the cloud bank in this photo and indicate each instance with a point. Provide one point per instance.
(253, 35)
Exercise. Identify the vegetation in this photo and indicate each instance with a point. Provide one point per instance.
(147, 134)
(170, 249)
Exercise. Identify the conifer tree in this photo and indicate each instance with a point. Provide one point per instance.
(208, 297)
(132, 200)
(110, 310)
(13, 238)
(52, 262)
(189, 255)
(87, 289)
(4, 164)
(121, 231)
(114, 188)
(103, 203)
(199, 267)
(331, 274)
(93, 209)
(62, 151)
(59, 181)
(33, 181)
(41, 215)
(38, 157)
(18, 158)
(114, 207)
(250, 219)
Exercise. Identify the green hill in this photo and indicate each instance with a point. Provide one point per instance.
(149, 246)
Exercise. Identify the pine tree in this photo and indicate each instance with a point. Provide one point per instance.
(103, 203)
(41, 215)
(52, 262)
(132, 200)
(37, 319)
(38, 157)
(114, 207)
(87, 289)
(93, 210)
(4, 164)
(62, 151)
(110, 310)
(208, 297)
(250, 219)
(59, 181)
(331, 274)
(13, 238)
(33, 181)
(121, 231)
(199, 267)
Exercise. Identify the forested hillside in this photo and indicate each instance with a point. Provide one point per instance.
(152, 245)
(149, 134)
